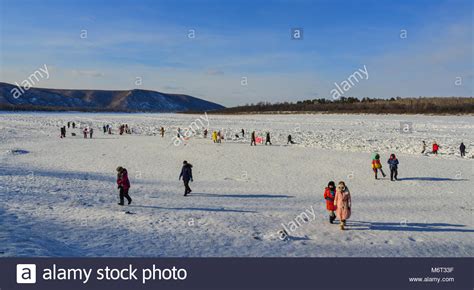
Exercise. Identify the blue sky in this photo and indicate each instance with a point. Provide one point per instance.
(233, 40)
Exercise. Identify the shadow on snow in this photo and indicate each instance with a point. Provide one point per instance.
(408, 227)
(194, 209)
(432, 179)
(242, 195)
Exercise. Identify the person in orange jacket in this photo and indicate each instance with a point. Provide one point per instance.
(329, 195)
(376, 165)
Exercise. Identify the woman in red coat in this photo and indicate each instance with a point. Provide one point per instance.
(329, 194)
(123, 184)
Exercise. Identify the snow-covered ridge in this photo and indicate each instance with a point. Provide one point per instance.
(130, 100)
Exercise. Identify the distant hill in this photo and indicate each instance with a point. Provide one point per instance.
(101, 100)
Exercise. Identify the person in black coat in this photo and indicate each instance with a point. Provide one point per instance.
(267, 139)
(462, 148)
(187, 175)
(290, 140)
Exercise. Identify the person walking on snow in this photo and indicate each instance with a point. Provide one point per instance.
(85, 133)
(329, 195)
(253, 140)
(424, 148)
(214, 136)
(243, 133)
(123, 184)
(376, 165)
(393, 164)
(267, 139)
(462, 149)
(91, 131)
(162, 130)
(343, 203)
(186, 175)
(290, 140)
(435, 148)
(205, 133)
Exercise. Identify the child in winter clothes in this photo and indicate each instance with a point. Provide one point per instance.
(187, 175)
(329, 195)
(393, 163)
(376, 165)
(214, 136)
(343, 203)
(123, 185)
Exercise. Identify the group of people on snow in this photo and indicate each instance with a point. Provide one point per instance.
(435, 148)
(107, 129)
(338, 202)
(88, 131)
(123, 183)
(217, 136)
(124, 129)
(392, 162)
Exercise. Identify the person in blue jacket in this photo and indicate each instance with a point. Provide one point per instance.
(393, 163)
(187, 175)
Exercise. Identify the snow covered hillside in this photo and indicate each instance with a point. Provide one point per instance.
(59, 196)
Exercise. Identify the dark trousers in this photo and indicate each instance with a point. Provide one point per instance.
(187, 189)
(393, 173)
(253, 142)
(463, 153)
(124, 194)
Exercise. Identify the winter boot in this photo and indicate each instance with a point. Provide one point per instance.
(129, 201)
(342, 226)
(332, 218)
(120, 203)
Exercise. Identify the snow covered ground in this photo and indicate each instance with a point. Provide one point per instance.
(59, 198)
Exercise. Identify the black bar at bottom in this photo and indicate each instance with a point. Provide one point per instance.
(239, 273)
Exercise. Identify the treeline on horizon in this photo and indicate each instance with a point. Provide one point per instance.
(421, 105)
(349, 105)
